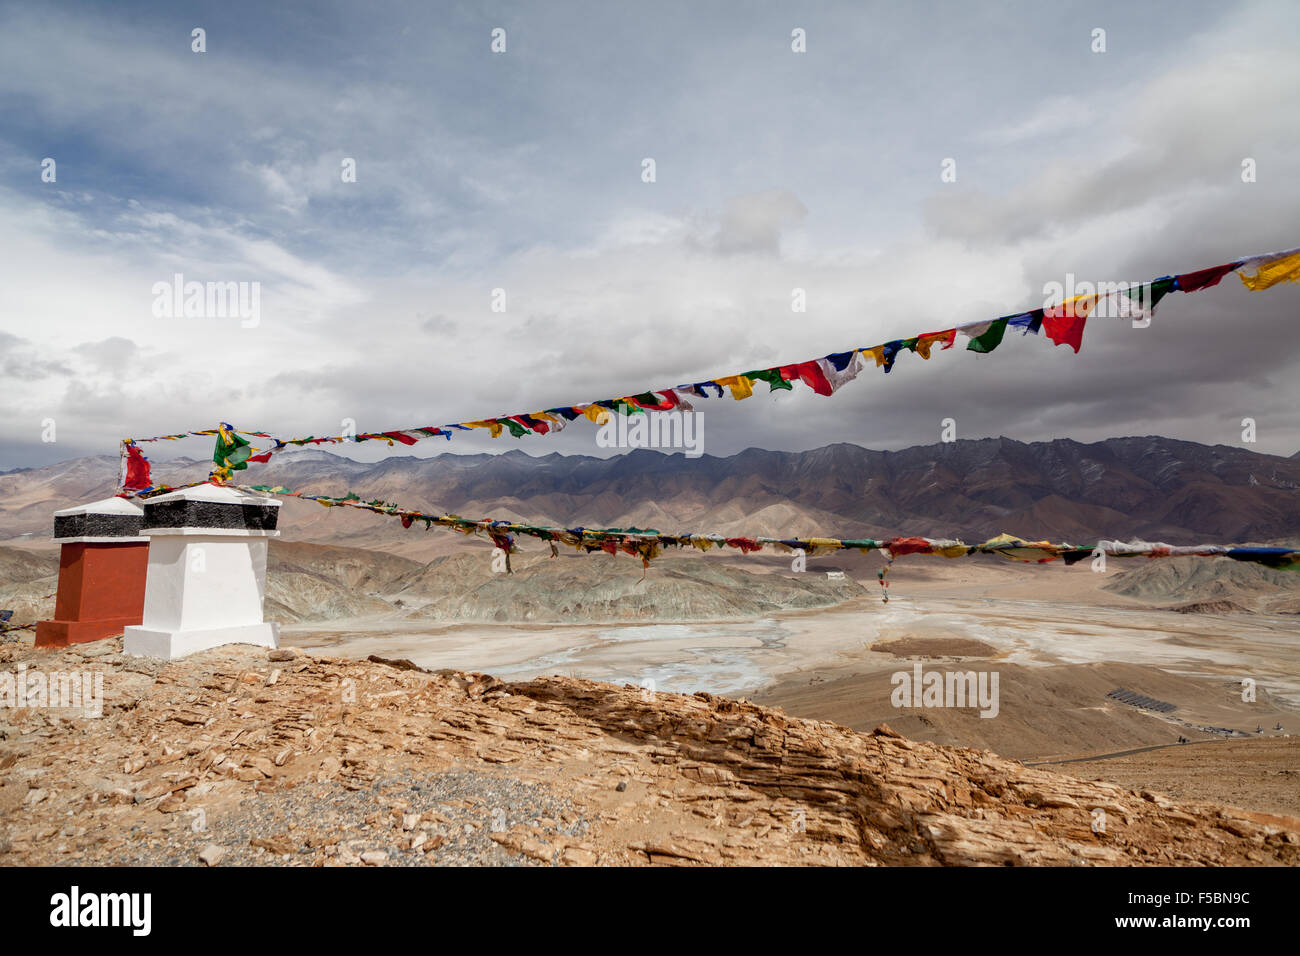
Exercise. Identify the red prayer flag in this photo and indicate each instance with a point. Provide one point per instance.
(1203, 279)
(1064, 330)
(137, 470)
(1064, 323)
(811, 374)
(899, 546)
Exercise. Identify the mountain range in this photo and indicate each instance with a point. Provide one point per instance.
(1150, 487)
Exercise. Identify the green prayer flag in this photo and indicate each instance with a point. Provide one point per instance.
(773, 378)
(1149, 294)
(991, 338)
(232, 455)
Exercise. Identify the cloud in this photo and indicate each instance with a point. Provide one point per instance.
(1178, 138)
(437, 324)
(113, 354)
(755, 222)
(777, 171)
(20, 361)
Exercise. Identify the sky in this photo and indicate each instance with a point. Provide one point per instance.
(523, 171)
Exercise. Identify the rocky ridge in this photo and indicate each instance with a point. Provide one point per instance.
(240, 755)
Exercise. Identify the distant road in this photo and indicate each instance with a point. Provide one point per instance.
(1125, 753)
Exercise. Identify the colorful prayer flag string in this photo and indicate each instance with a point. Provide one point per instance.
(1063, 324)
(649, 543)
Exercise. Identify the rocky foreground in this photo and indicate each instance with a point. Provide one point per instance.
(243, 756)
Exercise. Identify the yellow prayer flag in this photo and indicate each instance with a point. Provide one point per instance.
(1078, 307)
(952, 550)
(493, 427)
(741, 386)
(1268, 274)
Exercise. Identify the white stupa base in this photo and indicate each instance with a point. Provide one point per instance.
(169, 645)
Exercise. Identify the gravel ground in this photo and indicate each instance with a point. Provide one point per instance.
(322, 823)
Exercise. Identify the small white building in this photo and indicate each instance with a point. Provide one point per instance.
(206, 579)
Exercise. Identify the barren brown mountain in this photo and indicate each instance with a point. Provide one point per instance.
(1154, 488)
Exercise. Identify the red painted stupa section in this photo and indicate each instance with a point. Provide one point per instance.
(101, 591)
